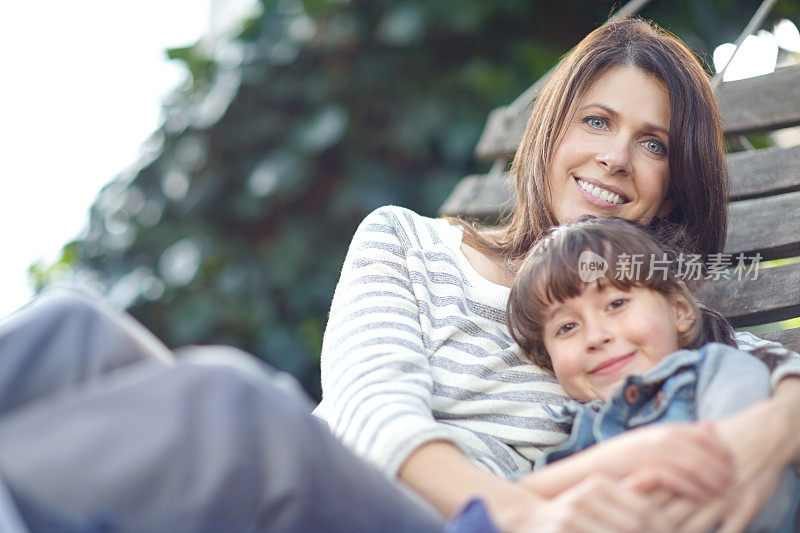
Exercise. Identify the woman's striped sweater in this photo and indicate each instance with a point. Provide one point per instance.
(417, 349)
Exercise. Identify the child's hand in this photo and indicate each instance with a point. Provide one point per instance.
(688, 460)
(664, 484)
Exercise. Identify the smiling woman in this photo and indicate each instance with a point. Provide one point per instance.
(623, 86)
(420, 374)
(612, 159)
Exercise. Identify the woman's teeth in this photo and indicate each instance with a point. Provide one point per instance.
(598, 192)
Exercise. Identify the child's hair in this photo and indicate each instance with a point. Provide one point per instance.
(551, 274)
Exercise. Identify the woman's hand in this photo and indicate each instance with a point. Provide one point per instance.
(686, 459)
(764, 440)
(759, 439)
(689, 460)
(441, 474)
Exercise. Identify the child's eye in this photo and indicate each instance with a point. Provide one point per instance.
(655, 146)
(563, 329)
(617, 303)
(597, 123)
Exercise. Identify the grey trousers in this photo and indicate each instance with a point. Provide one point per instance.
(98, 420)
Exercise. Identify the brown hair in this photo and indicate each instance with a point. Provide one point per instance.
(698, 174)
(551, 274)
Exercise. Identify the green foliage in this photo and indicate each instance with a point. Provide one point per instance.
(199, 65)
(67, 261)
(234, 227)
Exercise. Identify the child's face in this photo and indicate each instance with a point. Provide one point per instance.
(605, 334)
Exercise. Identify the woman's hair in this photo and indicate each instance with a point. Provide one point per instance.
(557, 267)
(698, 185)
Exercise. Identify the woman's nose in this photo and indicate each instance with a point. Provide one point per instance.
(615, 156)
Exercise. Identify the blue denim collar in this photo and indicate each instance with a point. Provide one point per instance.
(654, 377)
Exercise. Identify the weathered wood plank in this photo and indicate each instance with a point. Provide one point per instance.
(752, 224)
(762, 103)
(764, 172)
(790, 338)
(469, 198)
(753, 173)
(505, 127)
(480, 197)
(756, 104)
(768, 225)
(774, 295)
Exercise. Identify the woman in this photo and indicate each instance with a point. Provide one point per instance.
(420, 375)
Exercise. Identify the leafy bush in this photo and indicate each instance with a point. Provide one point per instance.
(233, 226)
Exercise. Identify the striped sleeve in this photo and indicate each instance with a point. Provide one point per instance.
(783, 362)
(376, 379)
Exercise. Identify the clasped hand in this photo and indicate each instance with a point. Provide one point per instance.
(649, 479)
(688, 477)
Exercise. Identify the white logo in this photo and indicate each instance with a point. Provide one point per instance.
(591, 266)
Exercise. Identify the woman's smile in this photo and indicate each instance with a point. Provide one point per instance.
(612, 159)
(600, 195)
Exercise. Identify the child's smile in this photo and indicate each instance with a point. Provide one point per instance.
(612, 365)
(597, 339)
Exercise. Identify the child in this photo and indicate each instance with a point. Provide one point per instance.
(599, 303)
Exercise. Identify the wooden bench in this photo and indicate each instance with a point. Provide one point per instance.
(765, 197)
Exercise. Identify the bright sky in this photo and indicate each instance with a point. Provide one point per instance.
(80, 92)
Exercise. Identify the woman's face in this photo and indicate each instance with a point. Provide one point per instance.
(612, 159)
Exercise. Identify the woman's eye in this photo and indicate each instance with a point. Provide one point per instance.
(617, 303)
(595, 122)
(656, 147)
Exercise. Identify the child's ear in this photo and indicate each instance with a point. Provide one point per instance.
(685, 313)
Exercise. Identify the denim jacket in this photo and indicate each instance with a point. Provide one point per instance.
(688, 385)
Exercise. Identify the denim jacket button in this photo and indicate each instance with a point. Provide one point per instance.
(631, 393)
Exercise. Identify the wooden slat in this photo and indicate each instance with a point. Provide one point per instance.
(768, 225)
(480, 196)
(774, 295)
(762, 103)
(790, 338)
(754, 173)
(755, 104)
(764, 172)
(505, 127)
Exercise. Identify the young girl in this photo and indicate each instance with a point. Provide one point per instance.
(600, 303)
